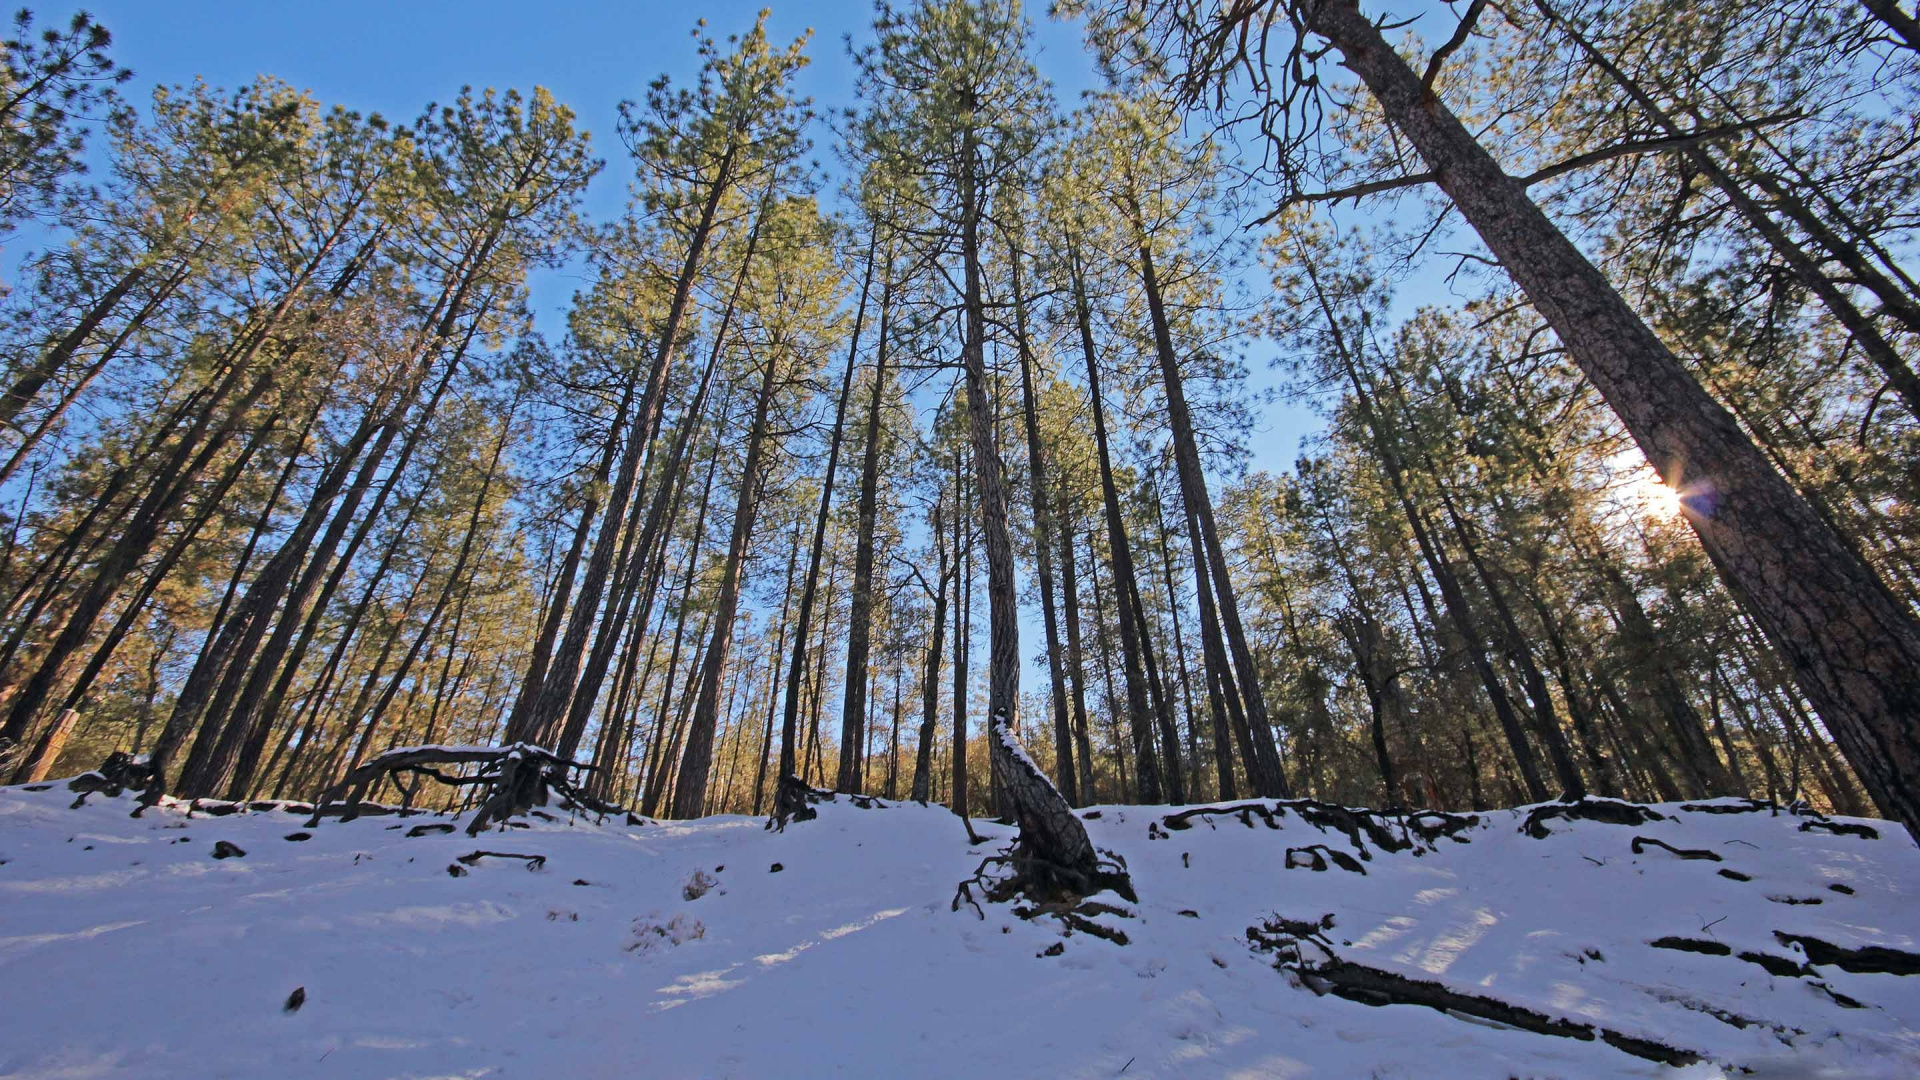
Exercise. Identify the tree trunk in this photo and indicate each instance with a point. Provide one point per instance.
(1043, 548)
(1076, 663)
(1853, 647)
(1264, 771)
(1049, 832)
(690, 785)
(773, 669)
(1139, 714)
(853, 703)
(556, 692)
(930, 677)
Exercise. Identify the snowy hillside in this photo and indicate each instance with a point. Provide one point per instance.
(717, 948)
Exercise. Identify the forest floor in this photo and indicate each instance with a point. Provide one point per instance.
(719, 948)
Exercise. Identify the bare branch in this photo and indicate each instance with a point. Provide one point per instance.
(1651, 146)
(1459, 38)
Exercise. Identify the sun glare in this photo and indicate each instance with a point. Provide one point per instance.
(1656, 498)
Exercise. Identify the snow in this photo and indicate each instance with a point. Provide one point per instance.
(129, 952)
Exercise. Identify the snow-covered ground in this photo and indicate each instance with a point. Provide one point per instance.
(126, 950)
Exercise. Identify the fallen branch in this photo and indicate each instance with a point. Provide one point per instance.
(1841, 828)
(1866, 960)
(1320, 969)
(472, 858)
(1642, 843)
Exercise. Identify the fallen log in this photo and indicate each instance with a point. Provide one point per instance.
(1310, 958)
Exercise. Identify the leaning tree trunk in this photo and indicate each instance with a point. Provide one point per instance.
(1896, 20)
(690, 784)
(930, 680)
(1853, 647)
(1803, 266)
(1043, 548)
(1139, 714)
(1265, 771)
(1050, 834)
(809, 587)
(853, 703)
(556, 693)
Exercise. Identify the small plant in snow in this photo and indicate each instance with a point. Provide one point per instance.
(650, 934)
(699, 885)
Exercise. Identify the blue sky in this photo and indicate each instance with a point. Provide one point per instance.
(394, 56)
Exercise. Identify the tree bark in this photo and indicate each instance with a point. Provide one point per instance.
(1139, 712)
(556, 692)
(853, 703)
(690, 784)
(1265, 771)
(1853, 647)
(1043, 546)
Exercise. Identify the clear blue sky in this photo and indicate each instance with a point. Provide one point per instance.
(394, 56)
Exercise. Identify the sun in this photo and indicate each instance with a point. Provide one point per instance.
(1638, 490)
(1656, 498)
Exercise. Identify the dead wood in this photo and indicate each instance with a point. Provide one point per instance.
(1841, 828)
(515, 777)
(472, 858)
(1605, 811)
(1642, 843)
(1310, 957)
(1315, 857)
(1866, 960)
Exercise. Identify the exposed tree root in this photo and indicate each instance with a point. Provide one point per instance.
(516, 779)
(1246, 812)
(1431, 825)
(794, 800)
(120, 772)
(1866, 960)
(1056, 890)
(1693, 945)
(1309, 956)
(1841, 828)
(1726, 1016)
(1744, 806)
(1311, 857)
(1777, 965)
(472, 858)
(1605, 811)
(1388, 832)
(1355, 822)
(1774, 965)
(1642, 843)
